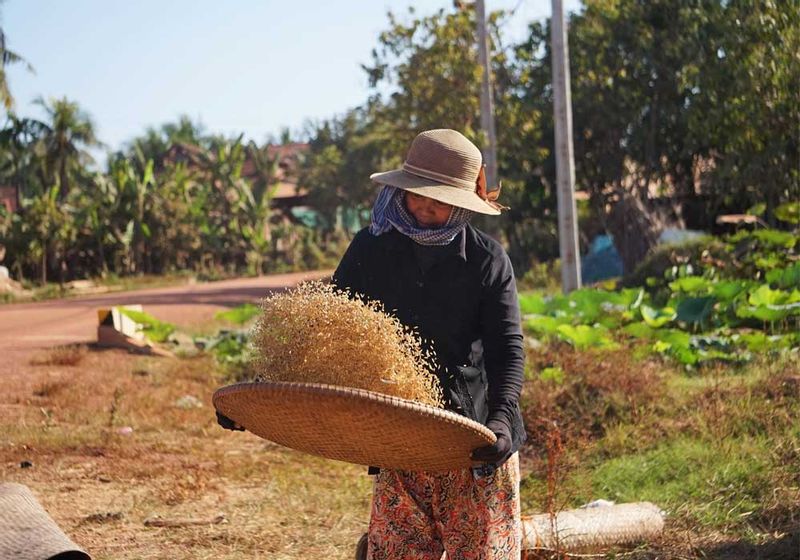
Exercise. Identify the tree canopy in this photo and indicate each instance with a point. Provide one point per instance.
(682, 110)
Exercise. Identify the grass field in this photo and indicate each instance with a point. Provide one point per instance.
(717, 449)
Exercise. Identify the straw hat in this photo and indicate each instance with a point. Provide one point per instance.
(354, 425)
(27, 532)
(443, 165)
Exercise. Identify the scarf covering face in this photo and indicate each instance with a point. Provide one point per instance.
(390, 212)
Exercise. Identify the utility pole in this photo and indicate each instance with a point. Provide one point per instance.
(487, 113)
(565, 164)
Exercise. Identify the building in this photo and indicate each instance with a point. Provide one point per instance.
(9, 198)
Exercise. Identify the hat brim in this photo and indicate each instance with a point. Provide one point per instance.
(435, 190)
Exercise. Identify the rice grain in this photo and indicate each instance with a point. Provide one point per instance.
(317, 334)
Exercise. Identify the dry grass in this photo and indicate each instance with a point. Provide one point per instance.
(69, 355)
(50, 388)
(316, 334)
(100, 485)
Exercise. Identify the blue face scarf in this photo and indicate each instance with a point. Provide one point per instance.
(390, 212)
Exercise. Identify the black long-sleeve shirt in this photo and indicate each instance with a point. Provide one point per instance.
(462, 298)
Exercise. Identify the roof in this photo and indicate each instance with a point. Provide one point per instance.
(8, 197)
(285, 189)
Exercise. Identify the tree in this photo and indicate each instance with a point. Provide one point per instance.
(747, 108)
(425, 74)
(49, 226)
(665, 89)
(255, 204)
(430, 67)
(18, 156)
(343, 153)
(68, 134)
(8, 57)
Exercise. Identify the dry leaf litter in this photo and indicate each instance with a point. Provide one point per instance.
(317, 334)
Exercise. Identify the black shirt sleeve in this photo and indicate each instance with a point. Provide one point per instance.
(348, 275)
(502, 340)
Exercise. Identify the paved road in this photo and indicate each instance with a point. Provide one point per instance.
(29, 327)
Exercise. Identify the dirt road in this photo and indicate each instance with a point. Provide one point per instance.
(30, 327)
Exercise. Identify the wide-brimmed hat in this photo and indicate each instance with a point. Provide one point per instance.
(443, 165)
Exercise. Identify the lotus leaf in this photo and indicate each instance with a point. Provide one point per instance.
(591, 304)
(760, 342)
(640, 330)
(764, 295)
(657, 317)
(690, 284)
(677, 344)
(789, 212)
(545, 325)
(532, 303)
(695, 310)
(768, 262)
(782, 239)
(585, 336)
(770, 313)
(728, 290)
(785, 277)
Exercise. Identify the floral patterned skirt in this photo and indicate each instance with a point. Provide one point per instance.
(419, 515)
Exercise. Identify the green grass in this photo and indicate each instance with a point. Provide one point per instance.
(715, 483)
(718, 448)
(238, 315)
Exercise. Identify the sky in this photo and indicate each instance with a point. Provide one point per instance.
(237, 66)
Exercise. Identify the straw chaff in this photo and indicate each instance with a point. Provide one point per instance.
(317, 334)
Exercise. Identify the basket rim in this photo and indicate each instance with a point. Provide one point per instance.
(356, 394)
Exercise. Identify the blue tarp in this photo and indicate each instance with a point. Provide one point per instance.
(602, 261)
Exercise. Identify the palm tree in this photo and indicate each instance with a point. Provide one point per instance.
(8, 57)
(185, 131)
(69, 133)
(17, 157)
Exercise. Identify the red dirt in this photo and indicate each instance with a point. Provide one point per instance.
(28, 328)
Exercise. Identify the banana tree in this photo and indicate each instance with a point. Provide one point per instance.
(256, 204)
(134, 196)
(45, 222)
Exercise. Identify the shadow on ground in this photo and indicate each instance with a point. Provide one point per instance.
(784, 548)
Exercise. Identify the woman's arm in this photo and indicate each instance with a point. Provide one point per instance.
(504, 355)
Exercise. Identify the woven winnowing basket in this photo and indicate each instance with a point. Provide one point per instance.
(354, 425)
(593, 529)
(27, 532)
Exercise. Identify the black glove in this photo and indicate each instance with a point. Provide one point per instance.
(227, 423)
(499, 451)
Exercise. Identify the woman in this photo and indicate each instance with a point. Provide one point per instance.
(422, 259)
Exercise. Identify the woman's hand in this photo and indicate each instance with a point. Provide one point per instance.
(227, 423)
(499, 451)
